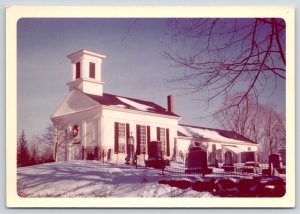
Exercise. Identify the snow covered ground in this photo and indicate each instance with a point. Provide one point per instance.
(96, 179)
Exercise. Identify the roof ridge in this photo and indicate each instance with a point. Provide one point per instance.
(112, 99)
(193, 126)
(133, 99)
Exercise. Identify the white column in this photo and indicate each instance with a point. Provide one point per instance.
(175, 148)
(83, 133)
(98, 70)
(96, 123)
(85, 68)
(73, 73)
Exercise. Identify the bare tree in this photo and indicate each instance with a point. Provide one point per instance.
(40, 151)
(219, 56)
(274, 131)
(261, 124)
(239, 118)
(34, 153)
(55, 137)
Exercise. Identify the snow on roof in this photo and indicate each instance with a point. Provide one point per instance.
(212, 134)
(136, 105)
(234, 149)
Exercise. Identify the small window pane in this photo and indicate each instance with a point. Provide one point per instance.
(162, 133)
(92, 70)
(143, 139)
(77, 70)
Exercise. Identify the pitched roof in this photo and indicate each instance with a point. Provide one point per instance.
(130, 103)
(210, 133)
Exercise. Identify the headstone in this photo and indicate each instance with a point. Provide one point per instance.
(213, 159)
(197, 158)
(275, 160)
(228, 159)
(155, 150)
(248, 157)
(155, 158)
(197, 161)
(228, 163)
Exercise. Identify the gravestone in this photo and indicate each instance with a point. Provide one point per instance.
(213, 159)
(248, 157)
(155, 150)
(197, 161)
(155, 158)
(250, 162)
(228, 159)
(228, 163)
(275, 165)
(275, 160)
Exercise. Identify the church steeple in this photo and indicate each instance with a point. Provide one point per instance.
(86, 72)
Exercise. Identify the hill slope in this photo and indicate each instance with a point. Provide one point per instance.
(95, 179)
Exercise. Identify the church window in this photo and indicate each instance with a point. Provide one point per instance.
(77, 70)
(141, 139)
(122, 137)
(163, 135)
(122, 134)
(162, 139)
(92, 70)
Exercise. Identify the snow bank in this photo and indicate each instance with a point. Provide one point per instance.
(95, 179)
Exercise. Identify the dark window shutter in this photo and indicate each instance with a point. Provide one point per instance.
(138, 139)
(116, 138)
(148, 138)
(168, 141)
(127, 134)
(158, 133)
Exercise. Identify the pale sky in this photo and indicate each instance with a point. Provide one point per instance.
(134, 67)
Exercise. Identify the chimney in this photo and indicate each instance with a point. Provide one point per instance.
(170, 103)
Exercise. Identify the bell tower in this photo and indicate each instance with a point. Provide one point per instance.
(86, 72)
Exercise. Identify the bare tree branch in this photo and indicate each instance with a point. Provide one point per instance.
(225, 55)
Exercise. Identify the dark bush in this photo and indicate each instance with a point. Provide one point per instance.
(247, 187)
(163, 182)
(272, 186)
(183, 184)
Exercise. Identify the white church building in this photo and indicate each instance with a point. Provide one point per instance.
(99, 125)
